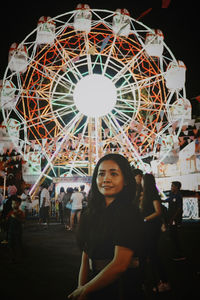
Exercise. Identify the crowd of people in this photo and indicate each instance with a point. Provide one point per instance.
(119, 223)
(70, 204)
(15, 209)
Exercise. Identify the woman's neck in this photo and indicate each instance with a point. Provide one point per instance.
(109, 200)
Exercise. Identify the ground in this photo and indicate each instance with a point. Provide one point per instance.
(49, 267)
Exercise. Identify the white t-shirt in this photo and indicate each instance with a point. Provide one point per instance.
(45, 194)
(77, 199)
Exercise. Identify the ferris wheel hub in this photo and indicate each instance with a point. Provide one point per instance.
(95, 95)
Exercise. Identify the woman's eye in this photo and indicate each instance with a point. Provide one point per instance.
(101, 174)
(114, 174)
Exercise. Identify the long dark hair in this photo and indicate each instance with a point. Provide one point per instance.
(96, 199)
(149, 190)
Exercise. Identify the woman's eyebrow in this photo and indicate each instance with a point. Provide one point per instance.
(103, 170)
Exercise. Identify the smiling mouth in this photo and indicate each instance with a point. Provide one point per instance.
(107, 187)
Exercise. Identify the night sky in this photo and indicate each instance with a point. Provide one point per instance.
(179, 23)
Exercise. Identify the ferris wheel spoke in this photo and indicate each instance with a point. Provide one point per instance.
(61, 98)
(47, 117)
(49, 73)
(121, 116)
(127, 114)
(108, 122)
(127, 67)
(126, 105)
(146, 82)
(41, 70)
(128, 89)
(68, 61)
(78, 148)
(120, 74)
(88, 54)
(140, 84)
(71, 126)
(109, 54)
(123, 136)
(64, 81)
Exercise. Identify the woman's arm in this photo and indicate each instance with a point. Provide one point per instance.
(109, 274)
(157, 213)
(84, 270)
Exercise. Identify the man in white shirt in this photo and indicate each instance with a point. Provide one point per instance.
(76, 201)
(44, 204)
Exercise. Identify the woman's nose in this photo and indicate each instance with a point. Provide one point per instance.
(106, 177)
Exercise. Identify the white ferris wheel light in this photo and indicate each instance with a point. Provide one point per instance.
(95, 95)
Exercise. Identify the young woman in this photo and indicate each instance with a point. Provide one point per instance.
(109, 234)
(150, 205)
(76, 201)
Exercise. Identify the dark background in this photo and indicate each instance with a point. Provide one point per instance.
(179, 23)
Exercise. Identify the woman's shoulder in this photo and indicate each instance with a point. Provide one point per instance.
(129, 211)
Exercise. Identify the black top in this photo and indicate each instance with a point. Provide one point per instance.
(119, 224)
(149, 209)
(148, 205)
(7, 207)
(139, 190)
(15, 223)
(175, 205)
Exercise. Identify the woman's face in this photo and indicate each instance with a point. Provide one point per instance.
(110, 180)
(138, 179)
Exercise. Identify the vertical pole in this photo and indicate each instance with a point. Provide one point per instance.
(99, 136)
(90, 146)
(4, 186)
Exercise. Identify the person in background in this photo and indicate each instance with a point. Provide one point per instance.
(1, 197)
(26, 201)
(76, 201)
(23, 203)
(174, 217)
(44, 204)
(38, 197)
(60, 199)
(150, 205)
(15, 219)
(84, 202)
(41, 210)
(109, 234)
(57, 210)
(51, 190)
(138, 175)
(1, 209)
(67, 207)
(7, 207)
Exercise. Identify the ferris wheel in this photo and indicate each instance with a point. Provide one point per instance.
(90, 82)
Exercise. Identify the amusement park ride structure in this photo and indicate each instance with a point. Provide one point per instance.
(90, 82)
